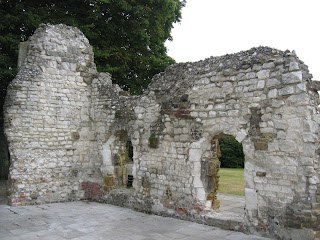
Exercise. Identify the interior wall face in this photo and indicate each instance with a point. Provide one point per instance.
(47, 114)
(67, 128)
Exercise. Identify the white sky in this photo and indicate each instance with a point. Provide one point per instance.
(219, 27)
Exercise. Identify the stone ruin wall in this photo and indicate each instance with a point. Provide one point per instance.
(263, 98)
(47, 107)
(68, 129)
(54, 121)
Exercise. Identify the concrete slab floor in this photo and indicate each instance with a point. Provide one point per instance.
(90, 220)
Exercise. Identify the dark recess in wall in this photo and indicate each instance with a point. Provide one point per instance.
(4, 155)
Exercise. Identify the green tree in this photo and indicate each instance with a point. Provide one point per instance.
(128, 36)
(232, 155)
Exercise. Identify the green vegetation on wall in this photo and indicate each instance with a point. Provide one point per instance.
(153, 141)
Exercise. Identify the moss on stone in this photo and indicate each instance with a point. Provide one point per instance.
(75, 135)
(153, 141)
(108, 180)
(118, 114)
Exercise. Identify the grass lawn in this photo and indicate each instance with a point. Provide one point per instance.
(231, 181)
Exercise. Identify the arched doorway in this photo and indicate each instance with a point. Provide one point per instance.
(230, 207)
(231, 189)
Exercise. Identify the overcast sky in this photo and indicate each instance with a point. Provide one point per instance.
(219, 27)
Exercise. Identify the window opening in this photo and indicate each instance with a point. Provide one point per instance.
(130, 181)
(129, 151)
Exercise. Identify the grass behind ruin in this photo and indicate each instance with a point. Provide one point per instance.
(231, 181)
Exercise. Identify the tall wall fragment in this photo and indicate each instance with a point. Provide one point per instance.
(71, 134)
(47, 108)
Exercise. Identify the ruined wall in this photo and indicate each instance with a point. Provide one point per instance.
(60, 113)
(263, 98)
(111, 112)
(71, 131)
(47, 117)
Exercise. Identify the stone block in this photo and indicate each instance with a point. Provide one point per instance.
(263, 74)
(203, 114)
(301, 87)
(287, 145)
(286, 90)
(311, 126)
(251, 199)
(268, 65)
(184, 137)
(292, 77)
(196, 170)
(310, 137)
(293, 66)
(256, 67)
(197, 183)
(212, 113)
(261, 84)
(280, 124)
(272, 93)
(250, 75)
(314, 179)
(273, 82)
(241, 135)
(200, 194)
(277, 103)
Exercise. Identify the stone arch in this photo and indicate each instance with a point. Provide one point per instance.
(118, 155)
(212, 155)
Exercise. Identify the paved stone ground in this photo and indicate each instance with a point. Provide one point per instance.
(89, 220)
(3, 192)
(231, 203)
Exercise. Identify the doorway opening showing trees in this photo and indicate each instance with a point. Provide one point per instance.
(231, 176)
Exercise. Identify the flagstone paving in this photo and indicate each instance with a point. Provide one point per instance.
(91, 220)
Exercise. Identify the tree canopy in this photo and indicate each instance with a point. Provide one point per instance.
(232, 155)
(128, 36)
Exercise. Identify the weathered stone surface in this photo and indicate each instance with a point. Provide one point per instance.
(72, 134)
